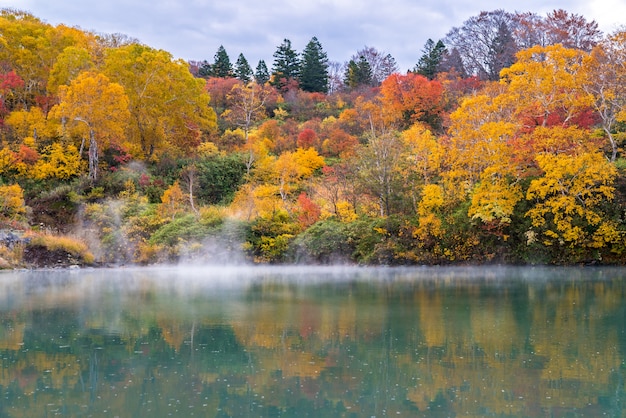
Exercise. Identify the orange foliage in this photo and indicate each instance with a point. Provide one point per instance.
(340, 144)
(411, 98)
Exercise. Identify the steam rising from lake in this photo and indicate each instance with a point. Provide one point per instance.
(223, 281)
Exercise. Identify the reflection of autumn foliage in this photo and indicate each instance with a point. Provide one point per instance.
(460, 346)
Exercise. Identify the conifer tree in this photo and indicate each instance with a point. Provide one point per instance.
(430, 62)
(221, 66)
(358, 73)
(286, 65)
(314, 68)
(242, 69)
(262, 75)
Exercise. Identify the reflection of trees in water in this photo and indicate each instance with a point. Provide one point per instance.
(365, 348)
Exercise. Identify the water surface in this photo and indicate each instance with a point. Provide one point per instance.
(316, 342)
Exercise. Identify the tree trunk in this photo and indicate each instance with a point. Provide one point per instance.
(93, 156)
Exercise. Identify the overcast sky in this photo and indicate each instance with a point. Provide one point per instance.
(194, 29)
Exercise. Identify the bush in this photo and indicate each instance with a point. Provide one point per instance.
(59, 243)
(325, 242)
(182, 229)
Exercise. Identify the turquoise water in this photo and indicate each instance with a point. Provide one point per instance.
(314, 341)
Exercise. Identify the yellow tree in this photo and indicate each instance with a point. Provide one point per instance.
(31, 123)
(569, 197)
(423, 155)
(94, 106)
(545, 83)
(32, 47)
(71, 62)
(57, 161)
(290, 168)
(479, 159)
(12, 205)
(169, 107)
(275, 182)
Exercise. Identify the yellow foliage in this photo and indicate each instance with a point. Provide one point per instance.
(494, 198)
(8, 159)
(30, 123)
(569, 195)
(173, 201)
(65, 243)
(547, 80)
(345, 211)
(432, 198)
(424, 153)
(12, 205)
(429, 223)
(57, 162)
(207, 149)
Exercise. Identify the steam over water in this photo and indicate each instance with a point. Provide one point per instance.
(325, 341)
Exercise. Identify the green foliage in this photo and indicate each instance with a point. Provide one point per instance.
(221, 65)
(286, 65)
(429, 63)
(219, 178)
(314, 68)
(358, 73)
(262, 74)
(325, 242)
(268, 239)
(242, 69)
(181, 230)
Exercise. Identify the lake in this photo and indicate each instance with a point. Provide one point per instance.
(313, 342)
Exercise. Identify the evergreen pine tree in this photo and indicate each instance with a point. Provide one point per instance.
(286, 65)
(314, 68)
(430, 62)
(262, 75)
(358, 73)
(242, 69)
(222, 66)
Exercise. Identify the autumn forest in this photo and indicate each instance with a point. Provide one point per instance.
(504, 144)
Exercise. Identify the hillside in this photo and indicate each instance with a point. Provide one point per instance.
(510, 151)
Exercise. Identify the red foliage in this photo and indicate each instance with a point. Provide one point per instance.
(308, 138)
(144, 180)
(10, 81)
(308, 212)
(218, 88)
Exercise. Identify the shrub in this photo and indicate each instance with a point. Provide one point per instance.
(73, 246)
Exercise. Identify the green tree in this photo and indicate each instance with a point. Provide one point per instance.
(221, 65)
(262, 74)
(314, 68)
(219, 177)
(358, 73)
(242, 69)
(429, 63)
(286, 66)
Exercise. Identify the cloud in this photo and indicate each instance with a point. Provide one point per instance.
(194, 29)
